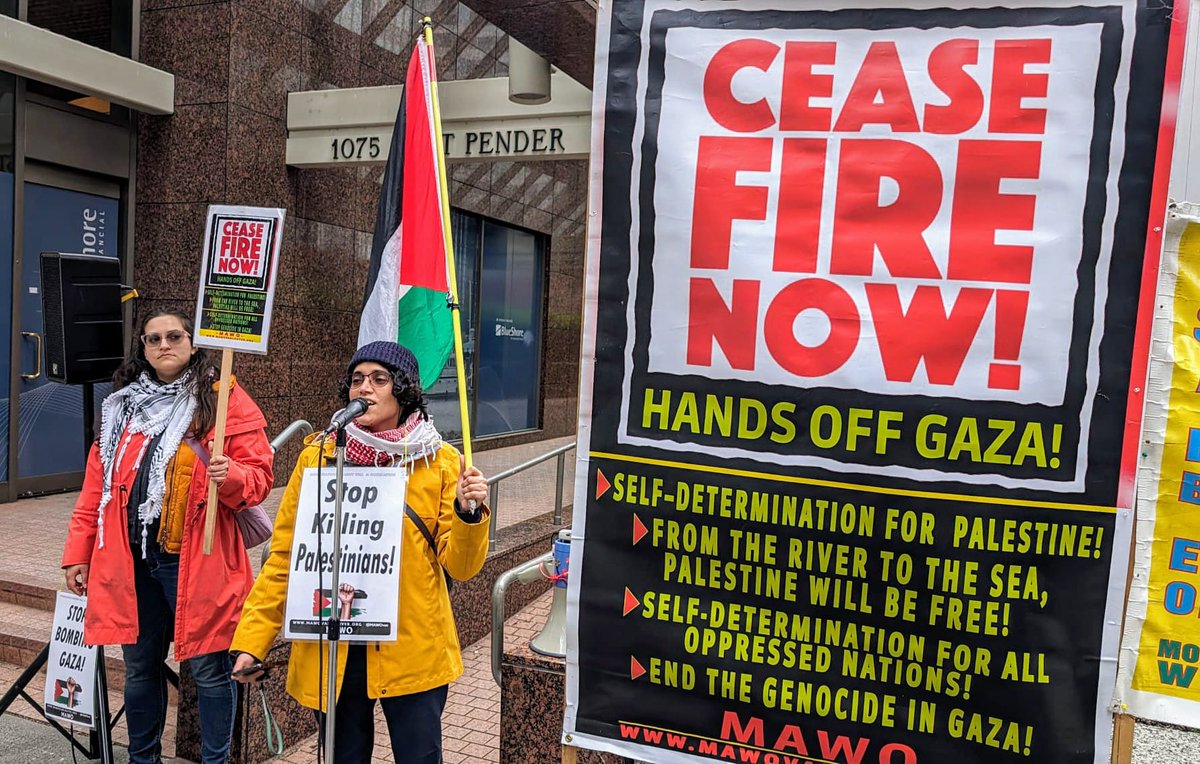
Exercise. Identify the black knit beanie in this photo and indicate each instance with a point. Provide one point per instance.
(395, 357)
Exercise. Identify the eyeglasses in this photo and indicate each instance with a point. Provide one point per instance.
(172, 337)
(378, 379)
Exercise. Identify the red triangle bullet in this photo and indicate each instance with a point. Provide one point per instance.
(635, 668)
(639, 530)
(602, 484)
(631, 602)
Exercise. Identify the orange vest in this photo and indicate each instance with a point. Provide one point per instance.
(180, 471)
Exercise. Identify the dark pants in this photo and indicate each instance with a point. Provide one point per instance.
(414, 721)
(156, 580)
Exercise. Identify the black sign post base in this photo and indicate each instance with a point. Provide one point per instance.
(100, 743)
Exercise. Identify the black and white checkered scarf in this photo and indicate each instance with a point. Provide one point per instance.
(153, 409)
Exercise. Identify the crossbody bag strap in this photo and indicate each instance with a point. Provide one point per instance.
(424, 529)
(198, 447)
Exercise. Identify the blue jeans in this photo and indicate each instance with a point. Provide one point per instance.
(156, 580)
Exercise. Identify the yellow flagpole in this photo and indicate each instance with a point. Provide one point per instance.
(444, 192)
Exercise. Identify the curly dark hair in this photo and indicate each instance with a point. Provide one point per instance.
(201, 364)
(406, 390)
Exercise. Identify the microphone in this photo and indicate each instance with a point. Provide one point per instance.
(357, 408)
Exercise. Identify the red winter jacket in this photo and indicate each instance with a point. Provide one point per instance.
(211, 587)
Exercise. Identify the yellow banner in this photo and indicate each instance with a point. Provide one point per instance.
(1165, 594)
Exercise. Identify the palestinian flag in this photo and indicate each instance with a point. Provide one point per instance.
(407, 288)
(321, 604)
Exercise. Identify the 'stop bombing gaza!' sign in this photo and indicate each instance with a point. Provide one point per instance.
(862, 379)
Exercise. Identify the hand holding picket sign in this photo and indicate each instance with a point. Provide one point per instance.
(77, 578)
(218, 466)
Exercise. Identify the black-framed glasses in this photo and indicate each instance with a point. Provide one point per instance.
(378, 379)
(173, 338)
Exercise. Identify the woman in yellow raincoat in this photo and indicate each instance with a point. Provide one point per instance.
(409, 677)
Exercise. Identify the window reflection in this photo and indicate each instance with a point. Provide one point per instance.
(500, 278)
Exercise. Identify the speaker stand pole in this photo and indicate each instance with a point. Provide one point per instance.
(334, 625)
(89, 418)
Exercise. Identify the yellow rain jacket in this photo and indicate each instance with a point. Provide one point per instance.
(426, 653)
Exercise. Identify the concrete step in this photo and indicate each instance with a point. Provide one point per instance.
(20, 590)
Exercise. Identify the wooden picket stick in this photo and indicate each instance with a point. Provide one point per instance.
(570, 754)
(210, 509)
(1122, 740)
(1122, 752)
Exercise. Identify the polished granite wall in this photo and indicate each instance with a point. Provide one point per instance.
(234, 63)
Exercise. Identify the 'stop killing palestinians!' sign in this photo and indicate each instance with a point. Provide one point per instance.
(237, 287)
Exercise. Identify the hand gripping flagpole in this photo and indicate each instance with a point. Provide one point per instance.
(444, 193)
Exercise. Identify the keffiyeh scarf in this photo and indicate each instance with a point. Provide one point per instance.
(154, 410)
(416, 439)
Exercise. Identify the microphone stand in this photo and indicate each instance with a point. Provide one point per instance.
(334, 625)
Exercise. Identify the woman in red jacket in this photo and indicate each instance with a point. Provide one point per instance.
(135, 541)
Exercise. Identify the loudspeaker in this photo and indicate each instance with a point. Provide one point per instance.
(81, 312)
(552, 640)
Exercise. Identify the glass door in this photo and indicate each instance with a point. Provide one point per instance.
(6, 269)
(51, 437)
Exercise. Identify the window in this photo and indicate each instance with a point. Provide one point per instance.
(8, 99)
(510, 331)
(500, 273)
(104, 24)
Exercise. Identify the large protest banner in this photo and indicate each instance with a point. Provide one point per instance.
(865, 336)
(1160, 653)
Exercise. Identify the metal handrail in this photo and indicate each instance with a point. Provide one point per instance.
(494, 486)
(531, 463)
(286, 434)
(526, 572)
(289, 432)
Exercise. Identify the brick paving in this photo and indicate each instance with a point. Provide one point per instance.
(31, 548)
